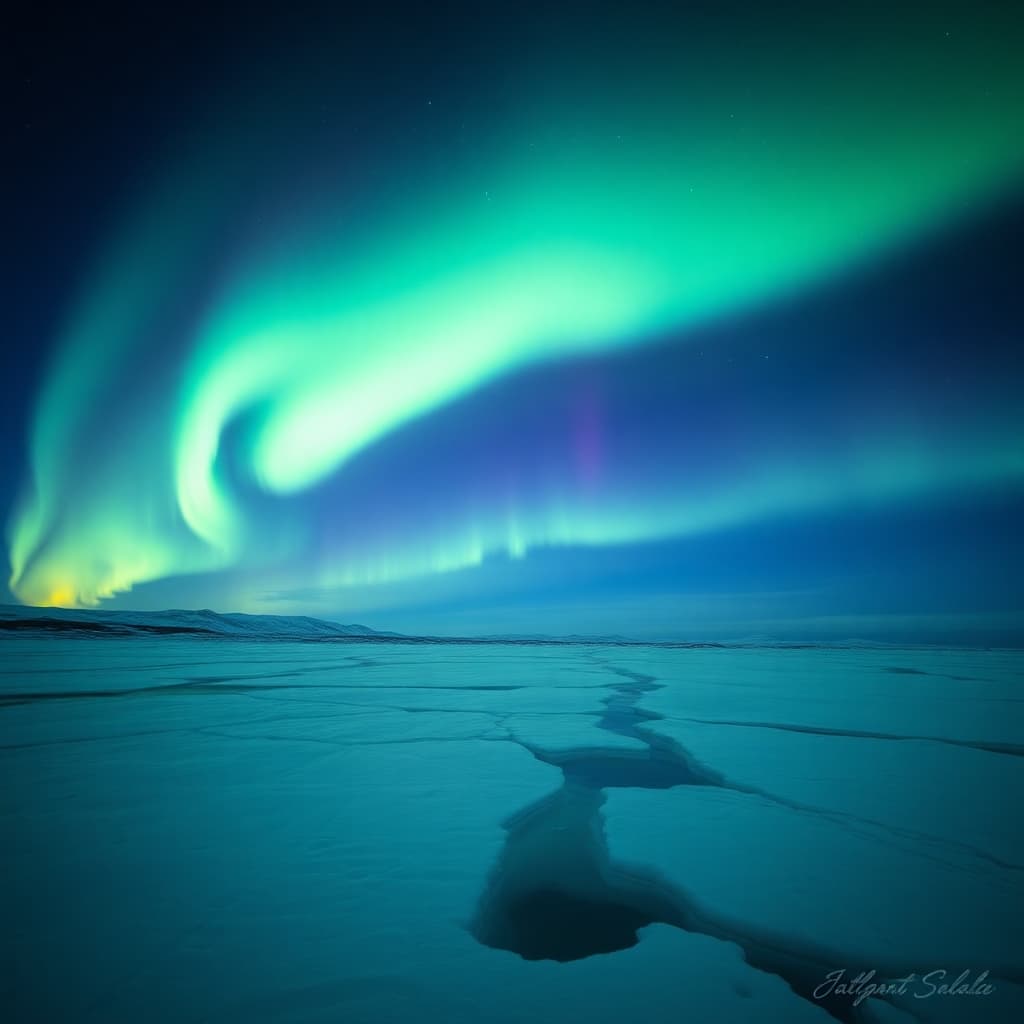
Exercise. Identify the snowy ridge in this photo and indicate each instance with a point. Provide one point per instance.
(205, 623)
(201, 622)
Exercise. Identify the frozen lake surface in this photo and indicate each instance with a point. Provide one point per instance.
(249, 831)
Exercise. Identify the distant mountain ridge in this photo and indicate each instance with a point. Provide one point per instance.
(203, 623)
(200, 622)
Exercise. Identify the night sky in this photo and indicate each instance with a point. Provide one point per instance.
(693, 322)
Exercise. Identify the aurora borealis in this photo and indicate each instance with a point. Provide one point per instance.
(509, 308)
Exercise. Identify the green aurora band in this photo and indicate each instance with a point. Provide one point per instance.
(613, 204)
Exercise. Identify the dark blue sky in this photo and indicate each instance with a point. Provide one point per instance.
(735, 477)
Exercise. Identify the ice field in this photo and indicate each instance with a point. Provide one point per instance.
(349, 832)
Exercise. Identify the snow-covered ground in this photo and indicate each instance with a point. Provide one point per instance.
(354, 832)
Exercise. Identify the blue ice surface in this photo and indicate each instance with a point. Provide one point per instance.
(267, 831)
